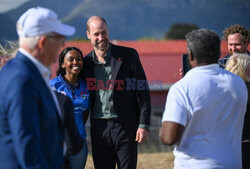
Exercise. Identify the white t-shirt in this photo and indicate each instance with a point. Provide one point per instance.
(210, 103)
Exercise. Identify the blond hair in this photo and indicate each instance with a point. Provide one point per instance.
(7, 52)
(238, 64)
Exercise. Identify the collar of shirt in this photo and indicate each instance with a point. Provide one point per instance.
(67, 84)
(45, 72)
(106, 57)
(205, 67)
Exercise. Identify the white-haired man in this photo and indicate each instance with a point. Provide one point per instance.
(31, 131)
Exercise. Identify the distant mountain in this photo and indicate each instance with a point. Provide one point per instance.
(134, 19)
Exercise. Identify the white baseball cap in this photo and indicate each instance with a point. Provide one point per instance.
(39, 21)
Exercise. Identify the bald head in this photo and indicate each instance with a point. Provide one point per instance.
(97, 19)
(97, 33)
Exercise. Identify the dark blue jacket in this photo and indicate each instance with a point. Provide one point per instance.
(73, 139)
(31, 133)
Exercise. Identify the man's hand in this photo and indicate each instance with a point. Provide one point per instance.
(181, 72)
(141, 135)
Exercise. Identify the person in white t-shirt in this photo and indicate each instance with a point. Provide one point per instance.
(205, 110)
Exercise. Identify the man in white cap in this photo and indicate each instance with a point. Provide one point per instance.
(31, 131)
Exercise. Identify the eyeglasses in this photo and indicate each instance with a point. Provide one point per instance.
(59, 38)
(55, 36)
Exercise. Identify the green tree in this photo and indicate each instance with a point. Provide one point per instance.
(179, 30)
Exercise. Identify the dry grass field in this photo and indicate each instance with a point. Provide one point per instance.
(147, 161)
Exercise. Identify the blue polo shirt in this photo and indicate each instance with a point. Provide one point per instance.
(78, 94)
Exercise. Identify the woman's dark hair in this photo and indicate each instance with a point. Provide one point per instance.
(61, 70)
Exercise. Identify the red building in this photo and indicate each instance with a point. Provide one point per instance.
(161, 61)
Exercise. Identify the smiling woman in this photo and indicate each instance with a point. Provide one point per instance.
(70, 84)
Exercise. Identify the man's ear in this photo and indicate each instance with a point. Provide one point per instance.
(190, 56)
(41, 42)
(88, 35)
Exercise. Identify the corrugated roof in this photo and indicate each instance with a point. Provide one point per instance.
(161, 59)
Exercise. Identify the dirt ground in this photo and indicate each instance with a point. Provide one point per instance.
(147, 161)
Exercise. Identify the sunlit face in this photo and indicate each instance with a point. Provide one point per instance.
(55, 43)
(235, 44)
(72, 62)
(98, 34)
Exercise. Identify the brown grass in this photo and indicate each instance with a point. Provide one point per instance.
(147, 161)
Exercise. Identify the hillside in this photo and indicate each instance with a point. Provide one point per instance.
(134, 19)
